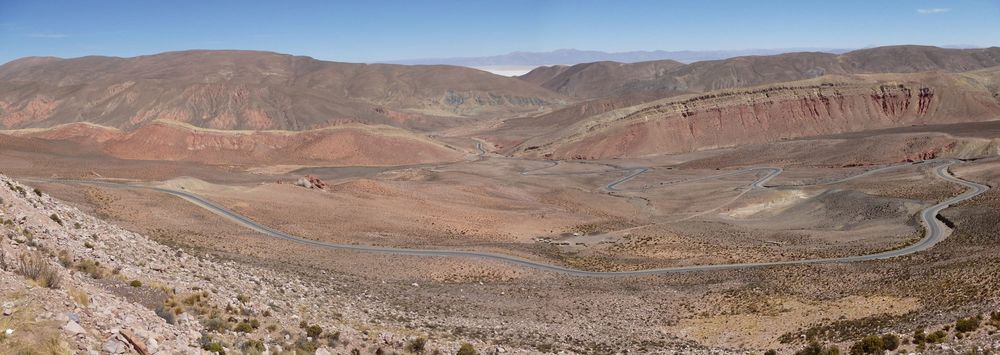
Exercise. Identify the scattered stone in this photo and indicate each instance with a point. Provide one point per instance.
(73, 328)
(136, 343)
(114, 346)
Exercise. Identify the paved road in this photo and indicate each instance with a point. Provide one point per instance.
(934, 231)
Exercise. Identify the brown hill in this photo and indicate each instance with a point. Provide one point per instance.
(596, 79)
(829, 104)
(348, 144)
(253, 90)
(748, 71)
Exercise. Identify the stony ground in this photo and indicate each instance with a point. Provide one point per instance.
(104, 289)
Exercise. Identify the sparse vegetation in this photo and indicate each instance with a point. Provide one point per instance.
(937, 337)
(79, 296)
(55, 218)
(417, 345)
(243, 327)
(966, 325)
(37, 192)
(815, 348)
(35, 267)
(91, 267)
(215, 324)
(871, 344)
(65, 259)
(253, 346)
(135, 283)
(313, 331)
(3, 260)
(890, 341)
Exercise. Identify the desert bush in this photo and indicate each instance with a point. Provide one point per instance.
(55, 218)
(466, 349)
(34, 267)
(135, 283)
(215, 324)
(37, 192)
(417, 345)
(967, 324)
(90, 267)
(242, 298)
(243, 327)
(3, 260)
(214, 347)
(313, 331)
(306, 346)
(891, 341)
(871, 344)
(771, 352)
(65, 259)
(88, 245)
(937, 337)
(815, 348)
(253, 346)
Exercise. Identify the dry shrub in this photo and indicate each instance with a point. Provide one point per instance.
(34, 267)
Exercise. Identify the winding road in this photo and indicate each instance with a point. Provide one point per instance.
(934, 232)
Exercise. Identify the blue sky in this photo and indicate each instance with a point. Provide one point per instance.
(365, 31)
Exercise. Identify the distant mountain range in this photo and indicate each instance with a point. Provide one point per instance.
(575, 56)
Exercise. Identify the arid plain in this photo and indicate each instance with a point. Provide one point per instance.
(607, 191)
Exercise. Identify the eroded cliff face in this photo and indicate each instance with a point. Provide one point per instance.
(769, 114)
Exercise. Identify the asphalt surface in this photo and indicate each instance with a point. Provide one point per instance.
(934, 229)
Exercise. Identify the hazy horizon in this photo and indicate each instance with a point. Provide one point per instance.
(398, 31)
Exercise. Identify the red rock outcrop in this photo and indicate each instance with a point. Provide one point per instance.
(766, 114)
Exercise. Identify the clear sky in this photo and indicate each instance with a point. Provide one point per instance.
(365, 31)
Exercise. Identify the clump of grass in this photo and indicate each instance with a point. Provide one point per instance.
(37, 192)
(55, 218)
(79, 296)
(135, 283)
(33, 266)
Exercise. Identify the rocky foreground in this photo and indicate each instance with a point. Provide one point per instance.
(71, 283)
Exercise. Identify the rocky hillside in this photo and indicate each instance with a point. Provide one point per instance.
(253, 91)
(830, 104)
(593, 80)
(71, 283)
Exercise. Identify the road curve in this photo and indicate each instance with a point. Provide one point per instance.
(933, 234)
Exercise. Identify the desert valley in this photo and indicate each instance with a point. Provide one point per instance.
(253, 202)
